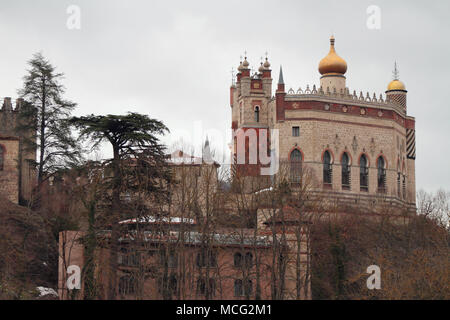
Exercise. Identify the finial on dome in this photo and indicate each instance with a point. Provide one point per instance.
(395, 73)
(332, 40)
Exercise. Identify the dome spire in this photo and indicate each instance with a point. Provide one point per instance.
(395, 73)
(280, 79)
(396, 84)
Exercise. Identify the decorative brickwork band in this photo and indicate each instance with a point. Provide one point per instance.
(411, 143)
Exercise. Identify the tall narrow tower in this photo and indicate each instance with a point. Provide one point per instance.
(249, 99)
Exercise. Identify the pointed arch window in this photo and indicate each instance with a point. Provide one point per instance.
(345, 171)
(398, 184)
(2, 158)
(363, 173)
(295, 166)
(381, 169)
(257, 114)
(327, 169)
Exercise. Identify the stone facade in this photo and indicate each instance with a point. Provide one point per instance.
(334, 120)
(21, 174)
(9, 175)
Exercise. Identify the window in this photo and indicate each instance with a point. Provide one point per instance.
(237, 259)
(241, 290)
(327, 169)
(171, 259)
(257, 114)
(345, 171)
(206, 260)
(296, 165)
(404, 187)
(202, 289)
(296, 131)
(127, 285)
(238, 290)
(2, 157)
(398, 184)
(363, 173)
(128, 258)
(248, 259)
(381, 175)
(173, 284)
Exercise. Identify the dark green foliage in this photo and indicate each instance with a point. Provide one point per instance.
(47, 112)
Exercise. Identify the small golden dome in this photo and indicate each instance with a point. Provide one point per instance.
(266, 64)
(332, 63)
(396, 85)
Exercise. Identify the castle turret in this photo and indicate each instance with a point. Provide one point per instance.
(332, 68)
(7, 105)
(396, 90)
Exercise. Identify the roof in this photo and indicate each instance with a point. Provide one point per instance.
(159, 220)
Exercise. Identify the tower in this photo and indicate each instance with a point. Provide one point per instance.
(251, 114)
(17, 176)
(396, 90)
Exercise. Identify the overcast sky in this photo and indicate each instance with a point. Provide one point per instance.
(173, 59)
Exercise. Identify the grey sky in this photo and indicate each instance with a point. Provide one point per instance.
(172, 59)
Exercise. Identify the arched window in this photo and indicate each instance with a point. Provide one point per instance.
(237, 259)
(248, 259)
(345, 171)
(2, 158)
(238, 290)
(327, 169)
(399, 193)
(381, 175)
(205, 259)
(201, 286)
(248, 290)
(257, 114)
(363, 173)
(296, 165)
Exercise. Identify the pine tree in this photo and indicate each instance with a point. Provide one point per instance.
(47, 111)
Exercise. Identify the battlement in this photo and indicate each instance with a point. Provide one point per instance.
(330, 94)
(7, 105)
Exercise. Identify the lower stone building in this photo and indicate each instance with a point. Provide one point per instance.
(169, 259)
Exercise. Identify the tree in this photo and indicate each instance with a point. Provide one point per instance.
(47, 112)
(133, 138)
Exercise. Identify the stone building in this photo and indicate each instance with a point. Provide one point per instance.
(17, 176)
(360, 147)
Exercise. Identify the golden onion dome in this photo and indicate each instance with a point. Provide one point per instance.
(267, 64)
(396, 85)
(332, 63)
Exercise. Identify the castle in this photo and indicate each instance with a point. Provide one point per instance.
(17, 176)
(360, 147)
